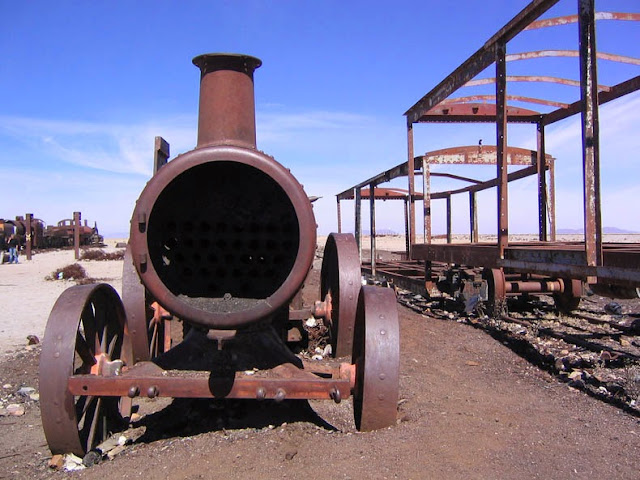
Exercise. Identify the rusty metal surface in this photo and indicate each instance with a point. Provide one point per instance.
(621, 261)
(570, 53)
(569, 19)
(590, 133)
(340, 278)
(227, 105)
(376, 355)
(84, 334)
(497, 290)
(517, 98)
(209, 251)
(134, 301)
(284, 382)
(161, 154)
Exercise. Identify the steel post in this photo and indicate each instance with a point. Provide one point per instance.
(426, 198)
(552, 200)
(28, 234)
(406, 227)
(541, 165)
(372, 223)
(449, 236)
(473, 217)
(501, 145)
(411, 187)
(358, 219)
(76, 234)
(590, 133)
(160, 154)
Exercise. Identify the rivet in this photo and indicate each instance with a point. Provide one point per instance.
(56, 354)
(134, 391)
(280, 395)
(261, 393)
(383, 332)
(381, 397)
(152, 391)
(382, 376)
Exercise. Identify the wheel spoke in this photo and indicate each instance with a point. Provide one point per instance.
(88, 322)
(112, 346)
(94, 422)
(83, 350)
(103, 339)
(154, 341)
(82, 405)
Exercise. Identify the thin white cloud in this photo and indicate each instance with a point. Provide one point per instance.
(121, 148)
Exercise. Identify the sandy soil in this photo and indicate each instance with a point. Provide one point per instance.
(469, 407)
(28, 297)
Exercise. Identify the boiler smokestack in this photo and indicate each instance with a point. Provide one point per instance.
(227, 105)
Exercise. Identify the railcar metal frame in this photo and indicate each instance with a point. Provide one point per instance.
(592, 260)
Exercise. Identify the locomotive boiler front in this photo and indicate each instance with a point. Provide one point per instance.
(223, 236)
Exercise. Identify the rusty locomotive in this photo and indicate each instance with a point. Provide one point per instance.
(222, 237)
(47, 236)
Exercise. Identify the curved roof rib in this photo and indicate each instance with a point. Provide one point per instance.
(568, 19)
(532, 78)
(512, 57)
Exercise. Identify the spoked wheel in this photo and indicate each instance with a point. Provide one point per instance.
(84, 335)
(376, 354)
(569, 299)
(148, 325)
(497, 303)
(339, 287)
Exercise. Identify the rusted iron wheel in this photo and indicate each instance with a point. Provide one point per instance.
(84, 335)
(497, 303)
(339, 286)
(569, 299)
(150, 334)
(376, 354)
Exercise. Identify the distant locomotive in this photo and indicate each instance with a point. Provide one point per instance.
(47, 236)
(61, 235)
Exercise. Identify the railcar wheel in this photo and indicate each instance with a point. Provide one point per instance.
(84, 335)
(376, 354)
(569, 299)
(497, 303)
(150, 332)
(339, 286)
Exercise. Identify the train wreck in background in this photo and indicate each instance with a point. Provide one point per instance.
(35, 233)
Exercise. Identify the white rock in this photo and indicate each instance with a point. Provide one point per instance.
(327, 351)
(15, 409)
(72, 463)
(317, 357)
(311, 322)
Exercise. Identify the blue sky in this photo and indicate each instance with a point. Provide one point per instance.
(85, 87)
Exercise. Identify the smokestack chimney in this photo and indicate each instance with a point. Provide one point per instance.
(227, 113)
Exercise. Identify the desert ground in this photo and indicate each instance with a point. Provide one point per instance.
(471, 406)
